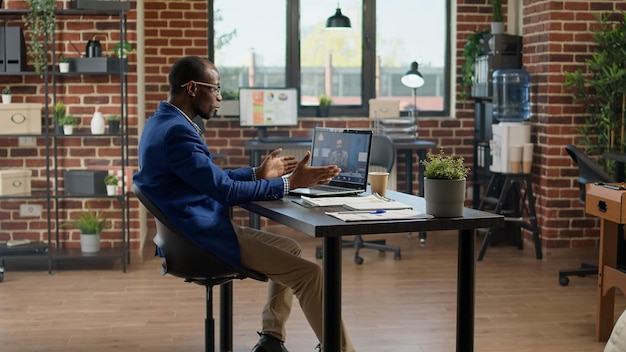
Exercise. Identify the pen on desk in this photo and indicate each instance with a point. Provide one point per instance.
(363, 212)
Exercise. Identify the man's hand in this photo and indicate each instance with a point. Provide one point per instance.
(274, 166)
(308, 176)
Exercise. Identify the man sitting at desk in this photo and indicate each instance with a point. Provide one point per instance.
(339, 156)
(178, 175)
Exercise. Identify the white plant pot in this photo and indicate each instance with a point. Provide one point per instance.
(111, 190)
(68, 129)
(64, 67)
(444, 198)
(89, 243)
(6, 98)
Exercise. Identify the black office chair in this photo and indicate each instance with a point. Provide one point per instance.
(588, 172)
(383, 157)
(185, 259)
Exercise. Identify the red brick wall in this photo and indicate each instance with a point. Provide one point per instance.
(555, 35)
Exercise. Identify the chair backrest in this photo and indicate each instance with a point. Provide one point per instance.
(588, 170)
(383, 152)
(183, 257)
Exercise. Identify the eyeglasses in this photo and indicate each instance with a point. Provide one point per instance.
(217, 89)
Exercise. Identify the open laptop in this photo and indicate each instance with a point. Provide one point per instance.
(348, 149)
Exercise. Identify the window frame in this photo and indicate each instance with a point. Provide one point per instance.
(368, 65)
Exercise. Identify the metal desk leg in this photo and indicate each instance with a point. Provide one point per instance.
(421, 155)
(465, 292)
(226, 317)
(331, 294)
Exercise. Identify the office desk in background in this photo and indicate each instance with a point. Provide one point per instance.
(314, 222)
(407, 148)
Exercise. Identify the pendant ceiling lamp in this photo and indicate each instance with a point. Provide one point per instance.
(338, 20)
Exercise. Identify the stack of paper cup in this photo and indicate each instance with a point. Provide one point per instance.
(527, 158)
(515, 158)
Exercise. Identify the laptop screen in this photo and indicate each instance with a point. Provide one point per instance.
(348, 149)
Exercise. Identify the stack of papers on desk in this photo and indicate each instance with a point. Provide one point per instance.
(370, 202)
(378, 215)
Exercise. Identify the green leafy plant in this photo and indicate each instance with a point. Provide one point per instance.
(6, 91)
(63, 59)
(472, 50)
(114, 117)
(444, 167)
(41, 22)
(58, 111)
(601, 88)
(496, 9)
(68, 120)
(121, 50)
(89, 222)
(325, 101)
(110, 180)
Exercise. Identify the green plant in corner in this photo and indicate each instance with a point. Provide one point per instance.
(110, 180)
(230, 94)
(6, 91)
(63, 59)
(601, 88)
(325, 101)
(68, 120)
(58, 112)
(113, 117)
(41, 22)
(89, 222)
(121, 50)
(472, 50)
(444, 167)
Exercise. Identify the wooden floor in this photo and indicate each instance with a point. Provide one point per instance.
(406, 305)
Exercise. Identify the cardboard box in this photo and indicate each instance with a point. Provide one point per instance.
(85, 182)
(606, 203)
(15, 182)
(384, 108)
(18, 118)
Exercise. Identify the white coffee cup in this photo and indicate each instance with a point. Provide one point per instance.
(527, 157)
(515, 158)
(378, 182)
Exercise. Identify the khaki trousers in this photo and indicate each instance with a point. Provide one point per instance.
(279, 259)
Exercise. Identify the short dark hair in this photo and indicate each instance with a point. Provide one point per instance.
(185, 69)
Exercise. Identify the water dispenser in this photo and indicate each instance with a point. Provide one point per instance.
(511, 101)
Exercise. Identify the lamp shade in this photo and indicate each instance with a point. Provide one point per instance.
(413, 78)
(338, 20)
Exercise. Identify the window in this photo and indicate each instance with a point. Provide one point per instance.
(283, 43)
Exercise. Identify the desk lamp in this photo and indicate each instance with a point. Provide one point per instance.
(413, 79)
(338, 20)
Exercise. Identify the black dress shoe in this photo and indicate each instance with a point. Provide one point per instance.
(268, 343)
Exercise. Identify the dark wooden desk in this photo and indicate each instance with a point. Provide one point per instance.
(314, 222)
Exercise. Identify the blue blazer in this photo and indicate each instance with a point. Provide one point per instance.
(177, 173)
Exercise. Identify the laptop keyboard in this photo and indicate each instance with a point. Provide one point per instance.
(329, 188)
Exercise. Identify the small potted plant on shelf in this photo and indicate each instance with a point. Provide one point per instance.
(6, 95)
(64, 64)
(58, 113)
(90, 223)
(68, 122)
(114, 123)
(111, 183)
(497, 24)
(444, 184)
(324, 106)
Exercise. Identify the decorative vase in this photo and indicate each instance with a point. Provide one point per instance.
(68, 129)
(111, 190)
(497, 28)
(64, 67)
(97, 123)
(444, 198)
(89, 243)
(6, 98)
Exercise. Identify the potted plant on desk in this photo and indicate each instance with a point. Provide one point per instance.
(111, 184)
(68, 122)
(6, 95)
(444, 184)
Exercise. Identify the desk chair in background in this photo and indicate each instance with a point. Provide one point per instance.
(588, 172)
(382, 158)
(185, 259)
